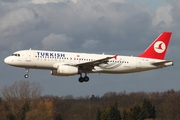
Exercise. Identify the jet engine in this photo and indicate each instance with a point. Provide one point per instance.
(65, 70)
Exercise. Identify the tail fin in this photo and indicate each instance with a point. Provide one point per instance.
(157, 49)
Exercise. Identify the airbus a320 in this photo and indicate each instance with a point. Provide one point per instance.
(71, 63)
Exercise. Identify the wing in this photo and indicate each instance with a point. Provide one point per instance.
(88, 66)
(91, 64)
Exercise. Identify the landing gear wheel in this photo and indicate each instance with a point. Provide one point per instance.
(86, 79)
(81, 79)
(26, 75)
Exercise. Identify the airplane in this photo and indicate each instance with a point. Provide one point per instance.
(71, 63)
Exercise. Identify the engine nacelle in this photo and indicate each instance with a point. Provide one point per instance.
(65, 70)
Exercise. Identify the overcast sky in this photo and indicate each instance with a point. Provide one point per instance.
(124, 27)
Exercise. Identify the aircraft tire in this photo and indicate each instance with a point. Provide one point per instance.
(86, 78)
(81, 79)
(26, 75)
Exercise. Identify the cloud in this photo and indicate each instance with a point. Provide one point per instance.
(117, 1)
(51, 1)
(90, 44)
(17, 46)
(16, 21)
(176, 16)
(46, 1)
(74, 1)
(163, 17)
(56, 41)
(9, 0)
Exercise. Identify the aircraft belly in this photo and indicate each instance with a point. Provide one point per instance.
(43, 65)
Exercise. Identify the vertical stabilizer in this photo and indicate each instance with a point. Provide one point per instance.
(157, 49)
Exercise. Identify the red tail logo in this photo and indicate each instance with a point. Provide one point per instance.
(157, 49)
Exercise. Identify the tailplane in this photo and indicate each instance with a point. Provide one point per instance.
(157, 49)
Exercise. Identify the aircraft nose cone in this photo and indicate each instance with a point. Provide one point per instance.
(7, 60)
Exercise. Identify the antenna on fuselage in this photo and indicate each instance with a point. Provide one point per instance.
(29, 48)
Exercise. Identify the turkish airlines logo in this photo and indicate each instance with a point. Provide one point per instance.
(159, 46)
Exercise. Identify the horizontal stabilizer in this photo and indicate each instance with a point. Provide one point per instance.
(162, 63)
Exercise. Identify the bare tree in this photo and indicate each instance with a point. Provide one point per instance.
(21, 97)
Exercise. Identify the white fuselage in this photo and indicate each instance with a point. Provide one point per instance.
(39, 59)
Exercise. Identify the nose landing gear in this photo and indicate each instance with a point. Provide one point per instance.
(27, 73)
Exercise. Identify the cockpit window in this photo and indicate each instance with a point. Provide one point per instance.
(18, 55)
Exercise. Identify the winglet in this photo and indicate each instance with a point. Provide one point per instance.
(115, 57)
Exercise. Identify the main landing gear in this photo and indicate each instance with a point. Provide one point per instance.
(27, 73)
(83, 79)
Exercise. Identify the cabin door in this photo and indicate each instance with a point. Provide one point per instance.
(28, 56)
